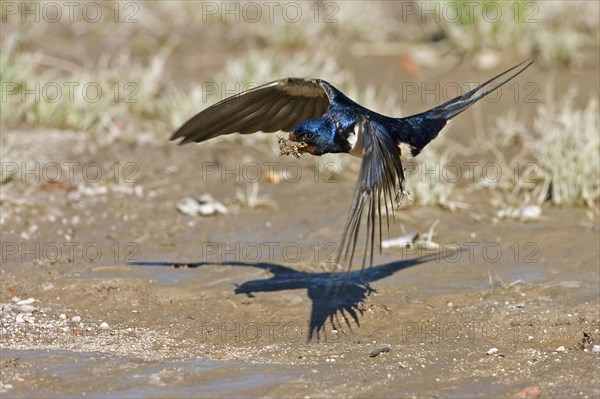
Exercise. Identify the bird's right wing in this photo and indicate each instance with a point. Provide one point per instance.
(380, 181)
(279, 105)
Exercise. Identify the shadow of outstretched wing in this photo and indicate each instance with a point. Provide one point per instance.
(337, 296)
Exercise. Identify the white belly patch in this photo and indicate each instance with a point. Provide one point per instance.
(356, 145)
(356, 142)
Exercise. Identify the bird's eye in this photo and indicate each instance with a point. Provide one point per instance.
(309, 136)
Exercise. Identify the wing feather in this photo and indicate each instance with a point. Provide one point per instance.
(308, 110)
(381, 176)
(248, 121)
(241, 118)
(279, 105)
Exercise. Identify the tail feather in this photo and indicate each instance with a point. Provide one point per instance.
(455, 106)
(425, 126)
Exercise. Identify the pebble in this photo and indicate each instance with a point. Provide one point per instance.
(492, 351)
(596, 349)
(62, 316)
(379, 351)
(76, 319)
(399, 242)
(529, 212)
(205, 205)
(27, 301)
(104, 326)
(560, 349)
(524, 213)
(27, 308)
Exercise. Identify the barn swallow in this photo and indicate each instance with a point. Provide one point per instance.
(320, 119)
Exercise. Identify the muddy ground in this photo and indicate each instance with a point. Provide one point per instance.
(133, 298)
(228, 312)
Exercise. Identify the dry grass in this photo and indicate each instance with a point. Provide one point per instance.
(250, 198)
(562, 149)
(426, 183)
(551, 31)
(137, 57)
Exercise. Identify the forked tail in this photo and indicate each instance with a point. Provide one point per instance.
(426, 126)
(453, 107)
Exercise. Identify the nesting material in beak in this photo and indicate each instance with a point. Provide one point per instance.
(289, 147)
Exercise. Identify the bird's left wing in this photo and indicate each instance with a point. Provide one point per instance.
(279, 105)
(380, 180)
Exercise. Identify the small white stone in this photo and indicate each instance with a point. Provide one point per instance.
(27, 301)
(188, 206)
(104, 326)
(400, 242)
(529, 212)
(492, 351)
(62, 316)
(560, 349)
(596, 349)
(76, 319)
(27, 308)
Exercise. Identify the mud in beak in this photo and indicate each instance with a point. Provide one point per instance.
(292, 146)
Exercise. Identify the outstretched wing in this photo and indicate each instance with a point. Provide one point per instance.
(279, 105)
(380, 178)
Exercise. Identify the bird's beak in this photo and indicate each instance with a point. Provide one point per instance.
(311, 149)
(303, 147)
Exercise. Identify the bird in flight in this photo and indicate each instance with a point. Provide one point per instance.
(320, 119)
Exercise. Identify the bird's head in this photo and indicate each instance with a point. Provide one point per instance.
(317, 134)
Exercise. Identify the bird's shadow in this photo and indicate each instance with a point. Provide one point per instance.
(336, 296)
